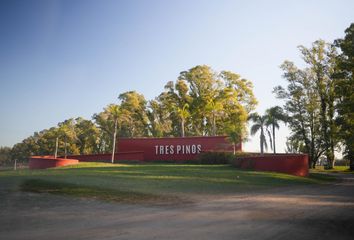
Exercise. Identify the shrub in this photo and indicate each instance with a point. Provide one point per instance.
(237, 162)
(216, 158)
(342, 162)
(5, 156)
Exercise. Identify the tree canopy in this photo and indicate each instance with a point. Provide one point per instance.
(201, 102)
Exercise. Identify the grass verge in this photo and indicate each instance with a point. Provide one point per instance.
(336, 169)
(138, 183)
(111, 195)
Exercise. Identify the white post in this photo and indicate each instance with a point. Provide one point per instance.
(65, 147)
(15, 167)
(56, 148)
(114, 139)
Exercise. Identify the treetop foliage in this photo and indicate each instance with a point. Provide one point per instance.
(201, 102)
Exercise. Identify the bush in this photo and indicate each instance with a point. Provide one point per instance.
(216, 158)
(238, 161)
(5, 156)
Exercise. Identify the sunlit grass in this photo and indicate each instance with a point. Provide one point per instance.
(111, 181)
(336, 169)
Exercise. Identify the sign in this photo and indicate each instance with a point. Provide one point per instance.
(176, 149)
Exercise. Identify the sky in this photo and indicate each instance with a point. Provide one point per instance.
(64, 59)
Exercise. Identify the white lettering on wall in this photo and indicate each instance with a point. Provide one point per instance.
(178, 149)
(172, 149)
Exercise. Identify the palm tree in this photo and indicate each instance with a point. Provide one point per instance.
(274, 115)
(235, 135)
(114, 111)
(260, 123)
(183, 113)
(214, 107)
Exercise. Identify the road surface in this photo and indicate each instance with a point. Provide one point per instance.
(298, 212)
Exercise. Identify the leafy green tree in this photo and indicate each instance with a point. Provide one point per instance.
(5, 156)
(309, 102)
(320, 59)
(214, 108)
(302, 108)
(160, 124)
(133, 115)
(274, 116)
(87, 135)
(67, 135)
(202, 81)
(236, 134)
(200, 102)
(216, 100)
(344, 89)
(105, 122)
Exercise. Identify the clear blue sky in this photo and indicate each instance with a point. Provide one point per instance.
(63, 59)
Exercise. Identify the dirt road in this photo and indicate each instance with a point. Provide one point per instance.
(305, 212)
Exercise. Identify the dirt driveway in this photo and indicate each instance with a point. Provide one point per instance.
(306, 212)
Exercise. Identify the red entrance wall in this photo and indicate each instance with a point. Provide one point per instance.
(42, 162)
(175, 149)
(295, 164)
(139, 156)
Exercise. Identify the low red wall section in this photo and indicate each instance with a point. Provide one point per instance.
(295, 164)
(146, 149)
(120, 156)
(42, 162)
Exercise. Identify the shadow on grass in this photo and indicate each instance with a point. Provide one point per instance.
(110, 195)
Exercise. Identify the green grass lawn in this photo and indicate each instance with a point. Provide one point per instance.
(336, 169)
(135, 182)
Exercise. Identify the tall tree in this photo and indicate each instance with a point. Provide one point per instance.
(133, 115)
(160, 124)
(202, 84)
(115, 112)
(320, 59)
(67, 135)
(310, 101)
(302, 108)
(214, 109)
(344, 92)
(105, 121)
(274, 116)
(87, 135)
(5, 156)
(183, 113)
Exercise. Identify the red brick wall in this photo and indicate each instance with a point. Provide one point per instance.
(176, 149)
(42, 162)
(295, 164)
(139, 156)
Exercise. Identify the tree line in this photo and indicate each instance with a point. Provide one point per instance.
(319, 100)
(201, 102)
(318, 110)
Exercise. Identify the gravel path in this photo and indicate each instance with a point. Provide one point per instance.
(298, 212)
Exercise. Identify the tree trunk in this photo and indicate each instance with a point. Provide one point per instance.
(214, 126)
(65, 151)
(261, 140)
(274, 138)
(56, 148)
(182, 127)
(114, 139)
